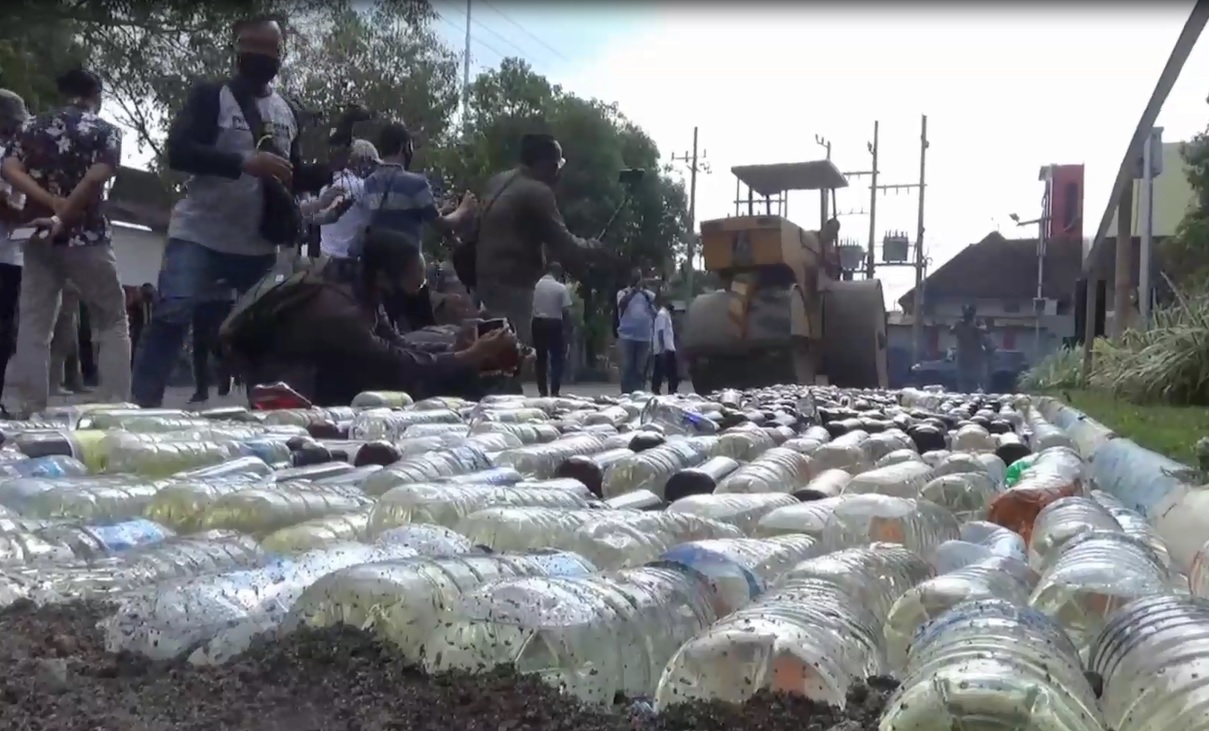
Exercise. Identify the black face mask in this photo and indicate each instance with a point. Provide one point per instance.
(258, 68)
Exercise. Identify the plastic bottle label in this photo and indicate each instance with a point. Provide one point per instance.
(130, 534)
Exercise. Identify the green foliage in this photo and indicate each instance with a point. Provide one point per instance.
(1186, 254)
(1062, 369)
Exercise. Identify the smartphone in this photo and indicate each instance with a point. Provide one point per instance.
(25, 233)
(486, 326)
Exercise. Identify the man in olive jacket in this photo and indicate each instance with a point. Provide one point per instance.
(519, 226)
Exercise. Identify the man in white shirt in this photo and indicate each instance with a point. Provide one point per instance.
(663, 346)
(551, 329)
(336, 237)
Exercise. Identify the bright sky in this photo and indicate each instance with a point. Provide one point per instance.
(1006, 90)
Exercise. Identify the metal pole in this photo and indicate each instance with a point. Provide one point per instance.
(823, 216)
(872, 206)
(1042, 229)
(1145, 224)
(466, 75)
(692, 215)
(917, 325)
(1123, 276)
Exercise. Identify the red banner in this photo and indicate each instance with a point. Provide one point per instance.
(1066, 204)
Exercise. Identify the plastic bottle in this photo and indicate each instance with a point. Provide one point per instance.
(373, 424)
(879, 445)
(535, 433)
(404, 601)
(1000, 540)
(990, 664)
(809, 518)
(740, 569)
(1061, 521)
(142, 420)
(26, 547)
(94, 498)
(826, 484)
(57, 465)
(845, 452)
(904, 479)
(520, 415)
(702, 479)
(541, 461)
(1151, 656)
(738, 509)
(968, 495)
(167, 620)
(972, 438)
(776, 470)
(863, 519)
(1095, 574)
(1044, 435)
(181, 504)
(609, 538)
(498, 476)
(674, 417)
(896, 456)
(995, 467)
(427, 540)
(624, 625)
(1134, 523)
(378, 399)
(86, 446)
(155, 458)
(318, 533)
(95, 541)
(929, 599)
(261, 510)
(744, 442)
(637, 500)
(590, 468)
(651, 469)
(953, 556)
(1056, 473)
(428, 467)
(447, 505)
(814, 634)
(183, 557)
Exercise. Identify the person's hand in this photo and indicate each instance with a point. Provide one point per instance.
(59, 206)
(492, 349)
(268, 165)
(49, 228)
(469, 202)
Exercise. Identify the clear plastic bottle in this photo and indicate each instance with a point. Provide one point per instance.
(776, 470)
(26, 547)
(995, 467)
(390, 424)
(56, 465)
(183, 557)
(142, 420)
(69, 416)
(1095, 574)
(446, 505)
(146, 455)
(380, 399)
(809, 518)
(94, 498)
(825, 484)
(744, 443)
(592, 637)
(405, 601)
(896, 456)
(902, 479)
(1056, 473)
(1134, 523)
(609, 538)
(973, 438)
(541, 461)
(1061, 521)
(170, 619)
(863, 519)
(652, 468)
(929, 599)
(953, 556)
(1152, 656)
(97, 541)
(740, 569)
(1000, 540)
(318, 533)
(884, 443)
(535, 433)
(89, 447)
(261, 510)
(845, 452)
(427, 540)
(968, 495)
(674, 416)
(814, 634)
(518, 415)
(742, 510)
(991, 664)
(428, 467)
(181, 503)
(1044, 435)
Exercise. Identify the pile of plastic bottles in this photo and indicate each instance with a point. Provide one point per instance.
(674, 548)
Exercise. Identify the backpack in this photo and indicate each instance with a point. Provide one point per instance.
(292, 282)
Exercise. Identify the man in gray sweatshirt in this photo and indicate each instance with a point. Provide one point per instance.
(216, 239)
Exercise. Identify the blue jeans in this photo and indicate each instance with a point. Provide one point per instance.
(633, 364)
(190, 274)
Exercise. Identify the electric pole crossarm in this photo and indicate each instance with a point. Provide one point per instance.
(695, 164)
(900, 186)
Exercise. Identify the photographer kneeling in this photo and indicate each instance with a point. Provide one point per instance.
(328, 337)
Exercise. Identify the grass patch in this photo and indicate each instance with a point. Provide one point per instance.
(1168, 430)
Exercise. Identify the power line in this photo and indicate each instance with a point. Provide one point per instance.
(478, 41)
(475, 21)
(526, 31)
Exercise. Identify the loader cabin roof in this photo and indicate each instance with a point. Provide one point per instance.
(769, 180)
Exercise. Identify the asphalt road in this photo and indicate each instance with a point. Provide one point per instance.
(177, 397)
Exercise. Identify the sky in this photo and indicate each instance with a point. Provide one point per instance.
(1007, 89)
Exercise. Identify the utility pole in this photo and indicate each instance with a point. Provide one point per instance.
(917, 321)
(466, 75)
(826, 145)
(872, 147)
(695, 165)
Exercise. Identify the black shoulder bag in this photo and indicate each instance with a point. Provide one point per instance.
(281, 222)
(465, 256)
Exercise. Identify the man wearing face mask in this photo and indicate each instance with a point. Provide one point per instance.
(519, 224)
(238, 141)
(329, 337)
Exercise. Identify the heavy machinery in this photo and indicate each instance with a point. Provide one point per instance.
(786, 313)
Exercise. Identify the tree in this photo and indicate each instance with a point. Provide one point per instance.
(1185, 255)
(30, 58)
